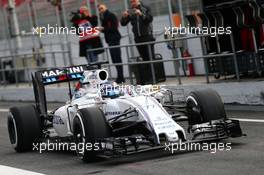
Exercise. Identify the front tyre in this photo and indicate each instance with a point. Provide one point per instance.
(89, 128)
(23, 127)
(204, 106)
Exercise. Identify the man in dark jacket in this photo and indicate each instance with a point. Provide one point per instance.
(112, 37)
(141, 19)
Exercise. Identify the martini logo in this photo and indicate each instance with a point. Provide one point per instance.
(58, 72)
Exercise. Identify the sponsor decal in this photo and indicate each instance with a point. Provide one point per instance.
(58, 72)
(57, 120)
(113, 113)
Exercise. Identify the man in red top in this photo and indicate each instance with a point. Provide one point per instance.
(88, 33)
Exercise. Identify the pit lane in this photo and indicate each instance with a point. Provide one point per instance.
(245, 157)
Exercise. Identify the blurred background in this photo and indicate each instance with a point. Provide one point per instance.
(17, 18)
(22, 52)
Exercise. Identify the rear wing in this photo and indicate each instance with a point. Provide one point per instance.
(57, 75)
(40, 79)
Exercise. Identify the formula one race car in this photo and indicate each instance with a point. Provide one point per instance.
(115, 120)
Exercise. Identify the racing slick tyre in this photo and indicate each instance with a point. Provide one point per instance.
(204, 106)
(89, 128)
(23, 127)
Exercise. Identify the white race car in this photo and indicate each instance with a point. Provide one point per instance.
(115, 120)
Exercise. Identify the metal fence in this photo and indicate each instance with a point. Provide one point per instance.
(17, 68)
(40, 13)
(176, 60)
(53, 56)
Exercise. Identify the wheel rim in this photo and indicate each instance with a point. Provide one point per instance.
(191, 104)
(12, 130)
(193, 109)
(79, 136)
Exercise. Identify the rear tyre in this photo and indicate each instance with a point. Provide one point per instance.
(89, 128)
(204, 106)
(23, 127)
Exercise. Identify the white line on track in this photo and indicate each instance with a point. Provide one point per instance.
(4, 110)
(7, 110)
(249, 120)
(6, 170)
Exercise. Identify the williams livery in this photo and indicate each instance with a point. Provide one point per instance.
(59, 75)
(120, 120)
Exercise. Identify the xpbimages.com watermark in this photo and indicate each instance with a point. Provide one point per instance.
(172, 31)
(171, 147)
(64, 146)
(212, 147)
(139, 89)
(186, 30)
(58, 30)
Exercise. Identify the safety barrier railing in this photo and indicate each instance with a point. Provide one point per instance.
(176, 60)
(8, 64)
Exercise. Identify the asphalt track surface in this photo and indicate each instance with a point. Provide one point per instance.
(245, 157)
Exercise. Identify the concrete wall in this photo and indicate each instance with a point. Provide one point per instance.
(248, 93)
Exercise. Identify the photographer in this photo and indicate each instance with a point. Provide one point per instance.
(141, 19)
(88, 32)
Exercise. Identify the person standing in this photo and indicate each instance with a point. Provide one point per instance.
(88, 32)
(109, 27)
(140, 17)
